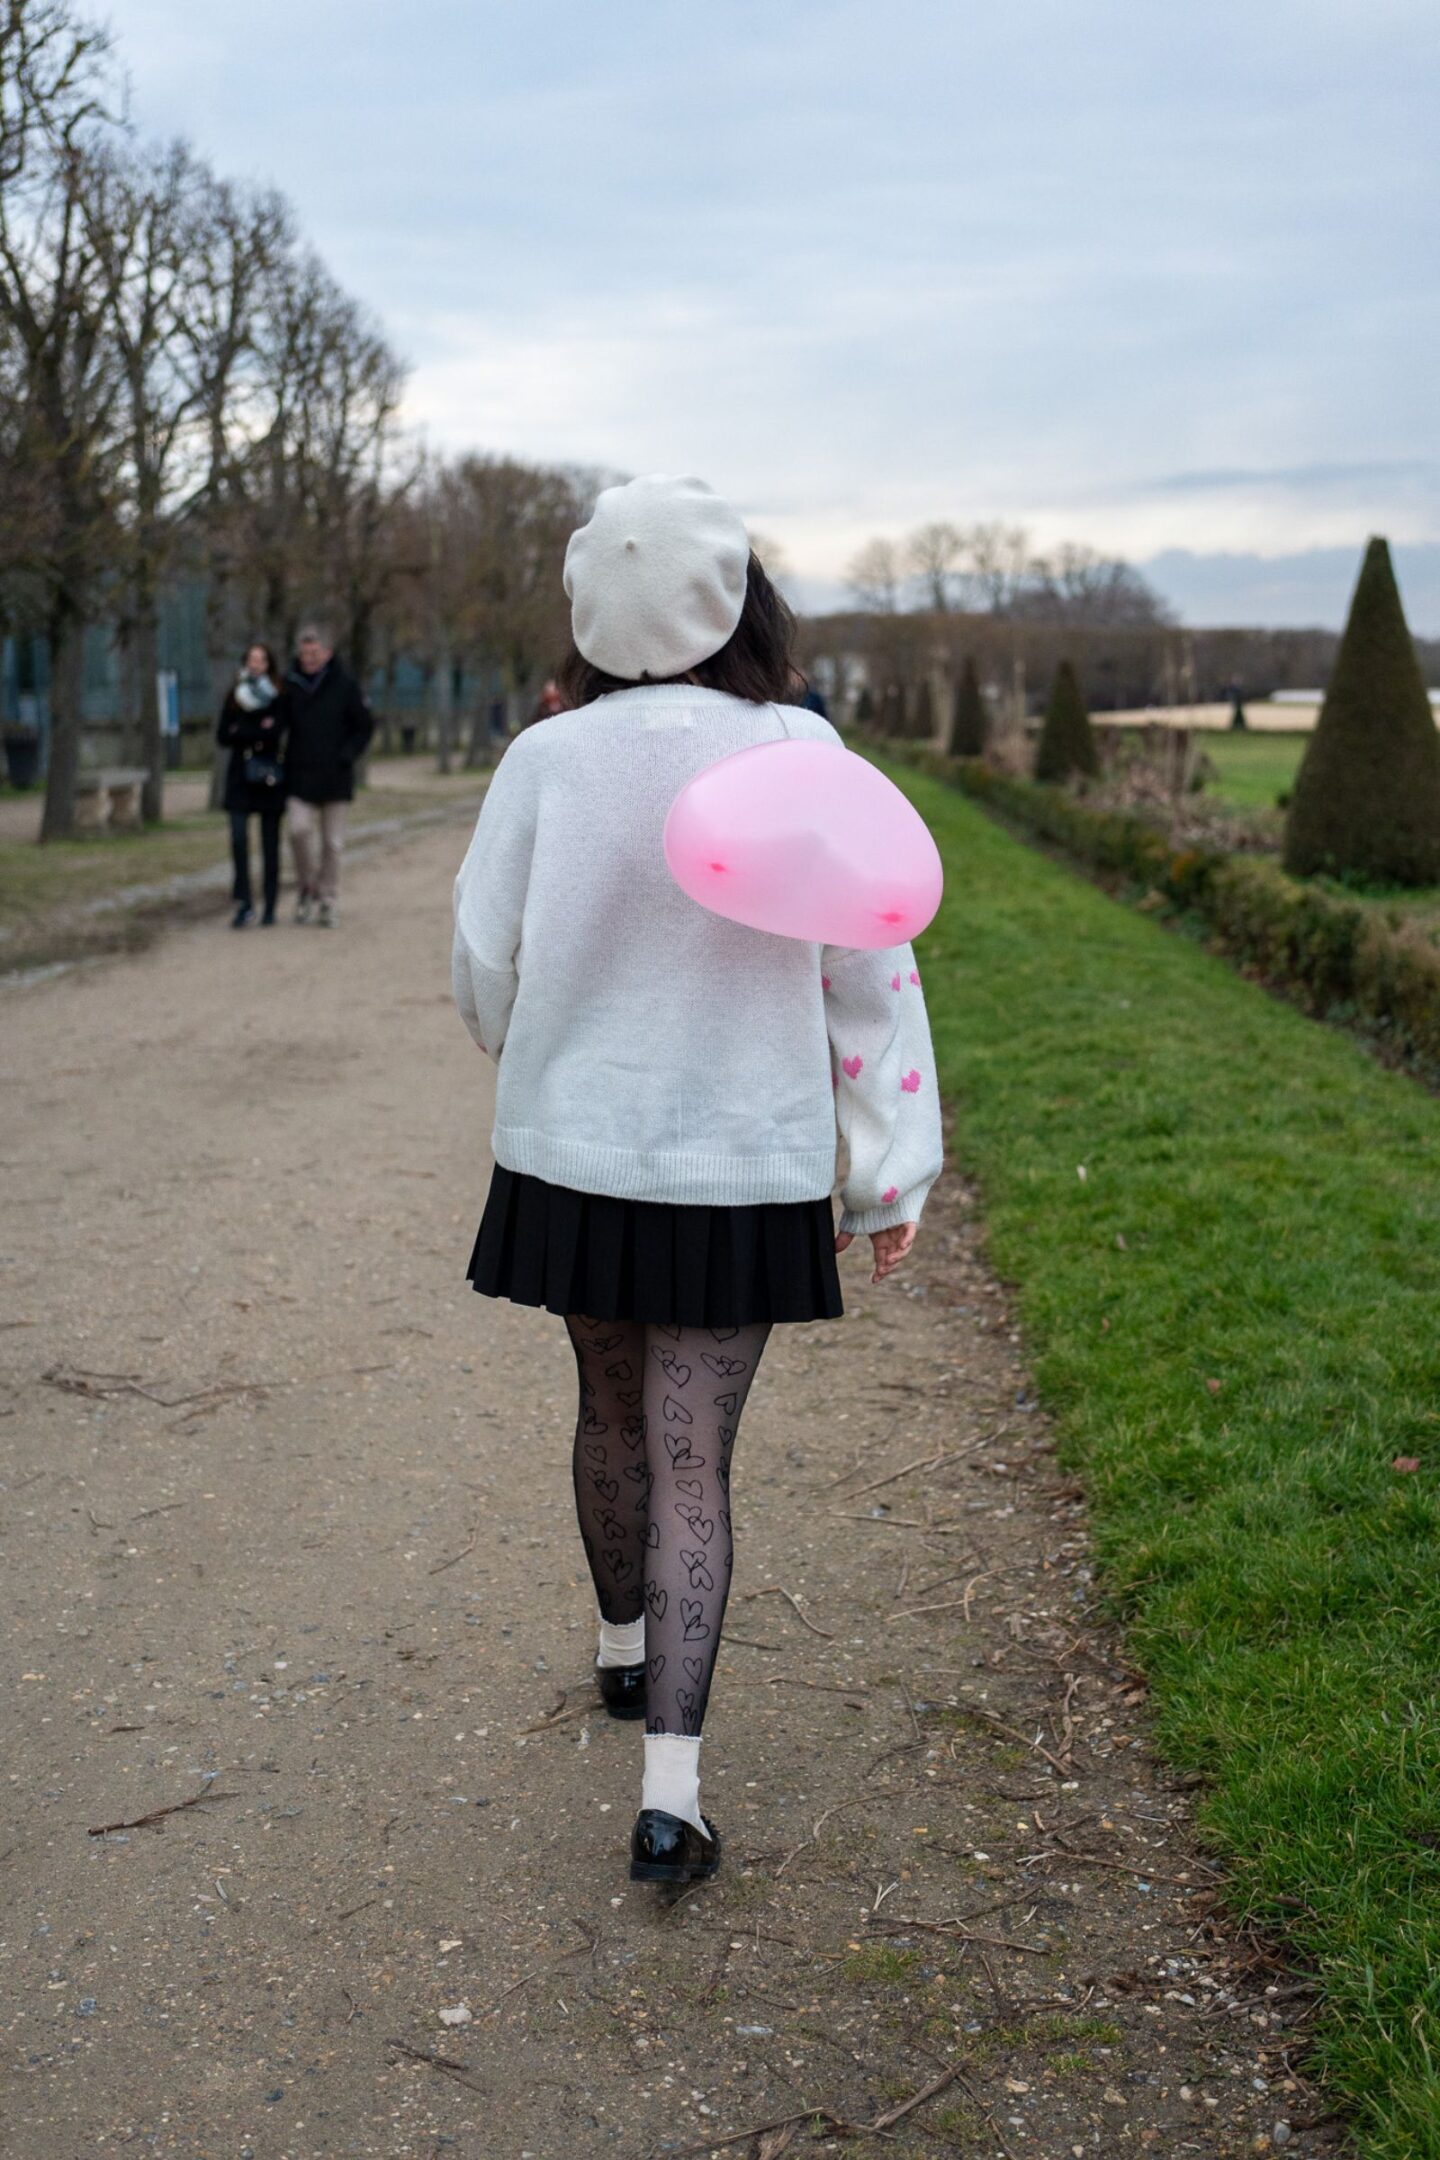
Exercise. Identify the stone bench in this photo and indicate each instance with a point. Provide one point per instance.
(109, 797)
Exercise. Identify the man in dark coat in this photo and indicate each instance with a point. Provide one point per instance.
(330, 725)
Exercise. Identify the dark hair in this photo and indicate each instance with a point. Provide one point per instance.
(754, 663)
(256, 644)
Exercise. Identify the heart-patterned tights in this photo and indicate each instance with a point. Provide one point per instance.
(659, 1408)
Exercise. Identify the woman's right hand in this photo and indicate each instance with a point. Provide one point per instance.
(890, 1247)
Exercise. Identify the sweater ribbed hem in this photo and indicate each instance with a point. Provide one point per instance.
(675, 1180)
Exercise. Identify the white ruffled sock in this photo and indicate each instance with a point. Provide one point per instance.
(622, 1642)
(672, 1776)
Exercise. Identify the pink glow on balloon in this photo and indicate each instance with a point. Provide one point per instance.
(811, 841)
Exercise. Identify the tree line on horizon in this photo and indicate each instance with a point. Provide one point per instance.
(1365, 804)
(188, 394)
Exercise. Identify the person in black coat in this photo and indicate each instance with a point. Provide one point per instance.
(252, 729)
(329, 727)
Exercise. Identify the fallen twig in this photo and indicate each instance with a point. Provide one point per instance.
(913, 1612)
(1066, 1734)
(1121, 1867)
(707, 1993)
(756, 2130)
(896, 1926)
(460, 2072)
(776, 1590)
(539, 1972)
(907, 2107)
(351, 1910)
(558, 1716)
(76, 1381)
(948, 1528)
(995, 2131)
(176, 1807)
(854, 1800)
(821, 1687)
(1259, 2002)
(921, 1462)
(878, 2126)
(441, 1565)
(988, 1717)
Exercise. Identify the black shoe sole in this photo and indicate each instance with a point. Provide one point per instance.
(654, 1871)
(626, 1716)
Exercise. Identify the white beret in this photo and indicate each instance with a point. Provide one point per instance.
(656, 580)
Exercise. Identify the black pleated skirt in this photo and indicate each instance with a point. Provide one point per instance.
(574, 1252)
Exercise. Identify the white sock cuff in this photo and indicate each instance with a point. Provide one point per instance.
(672, 1776)
(622, 1642)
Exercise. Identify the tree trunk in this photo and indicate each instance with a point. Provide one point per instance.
(222, 667)
(151, 734)
(67, 684)
(477, 744)
(442, 693)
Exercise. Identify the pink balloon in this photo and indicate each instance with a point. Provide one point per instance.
(808, 841)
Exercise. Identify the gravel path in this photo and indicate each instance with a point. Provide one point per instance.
(293, 1575)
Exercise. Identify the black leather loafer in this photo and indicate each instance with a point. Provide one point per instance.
(622, 1689)
(663, 1848)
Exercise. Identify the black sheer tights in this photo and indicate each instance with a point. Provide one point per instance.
(659, 1407)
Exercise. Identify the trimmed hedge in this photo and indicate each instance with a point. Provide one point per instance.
(1342, 959)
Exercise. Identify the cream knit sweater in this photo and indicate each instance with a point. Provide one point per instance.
(647, 1048)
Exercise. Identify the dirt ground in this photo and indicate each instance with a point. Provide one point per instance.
(292, 1573)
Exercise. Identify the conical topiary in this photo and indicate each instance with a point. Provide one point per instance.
(968, 722)
(922, 717)
(1067, 744)
(1367, 796)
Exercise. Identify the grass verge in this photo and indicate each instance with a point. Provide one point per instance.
(1235, 1314)
(56, 900)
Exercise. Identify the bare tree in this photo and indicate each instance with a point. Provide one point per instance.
(932, 555)
(874, 577)
(237, 237)
(313, 485)
(1076, 584)
(996, 561)
(56, 106)
(139, 210)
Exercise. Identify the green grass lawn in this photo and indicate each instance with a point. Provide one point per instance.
(1236, 1317)
(1253, 769)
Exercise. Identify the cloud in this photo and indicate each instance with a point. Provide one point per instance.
(1381, 472)
(1291, 591)
(1142, 277)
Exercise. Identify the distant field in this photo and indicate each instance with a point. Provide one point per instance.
(1260, 714)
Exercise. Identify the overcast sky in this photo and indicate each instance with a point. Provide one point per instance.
(1161, 279)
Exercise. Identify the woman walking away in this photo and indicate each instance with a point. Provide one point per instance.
(668, 1095)
(252, 729)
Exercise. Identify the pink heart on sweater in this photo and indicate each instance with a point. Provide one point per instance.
(894, 982)
(824, 982)
(911, 1083)
(915, 977)
(891, 1192)
(853, 1067)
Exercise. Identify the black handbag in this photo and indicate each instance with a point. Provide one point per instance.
(261, 771)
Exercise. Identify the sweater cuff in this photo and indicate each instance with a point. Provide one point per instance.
(863, 1222)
